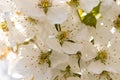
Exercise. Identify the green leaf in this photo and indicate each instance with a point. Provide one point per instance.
(90, 20)
(96, 10)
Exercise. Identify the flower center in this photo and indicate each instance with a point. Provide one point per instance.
(62, 36)
(45, 4)
(67, 73)
(44, 58)
(102, 56)
(117, 23)
(106, 74)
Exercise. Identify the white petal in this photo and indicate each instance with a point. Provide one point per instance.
(71, 48)
(58, 58)
(88, 51)
(5, 6)
(58, 14)
(96, 67)
(29, 7)
(54, 44)
(87, 7)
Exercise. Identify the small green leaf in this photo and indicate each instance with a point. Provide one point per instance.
(96, 10)
(90, 20)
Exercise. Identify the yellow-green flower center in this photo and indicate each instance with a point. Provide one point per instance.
(67, 73)
(102, 56)
(62, 36)
(45, 4)
(44, 58)
(106, 74)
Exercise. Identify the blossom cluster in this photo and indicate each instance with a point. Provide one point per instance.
(59, 39)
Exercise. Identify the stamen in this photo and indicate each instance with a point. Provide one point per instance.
(102, 56)
(79, 58)
(67, 73)
(45, 4)
(64, 36)
(31, 20)
(106, 74)
(117, 23)
(44, 58)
